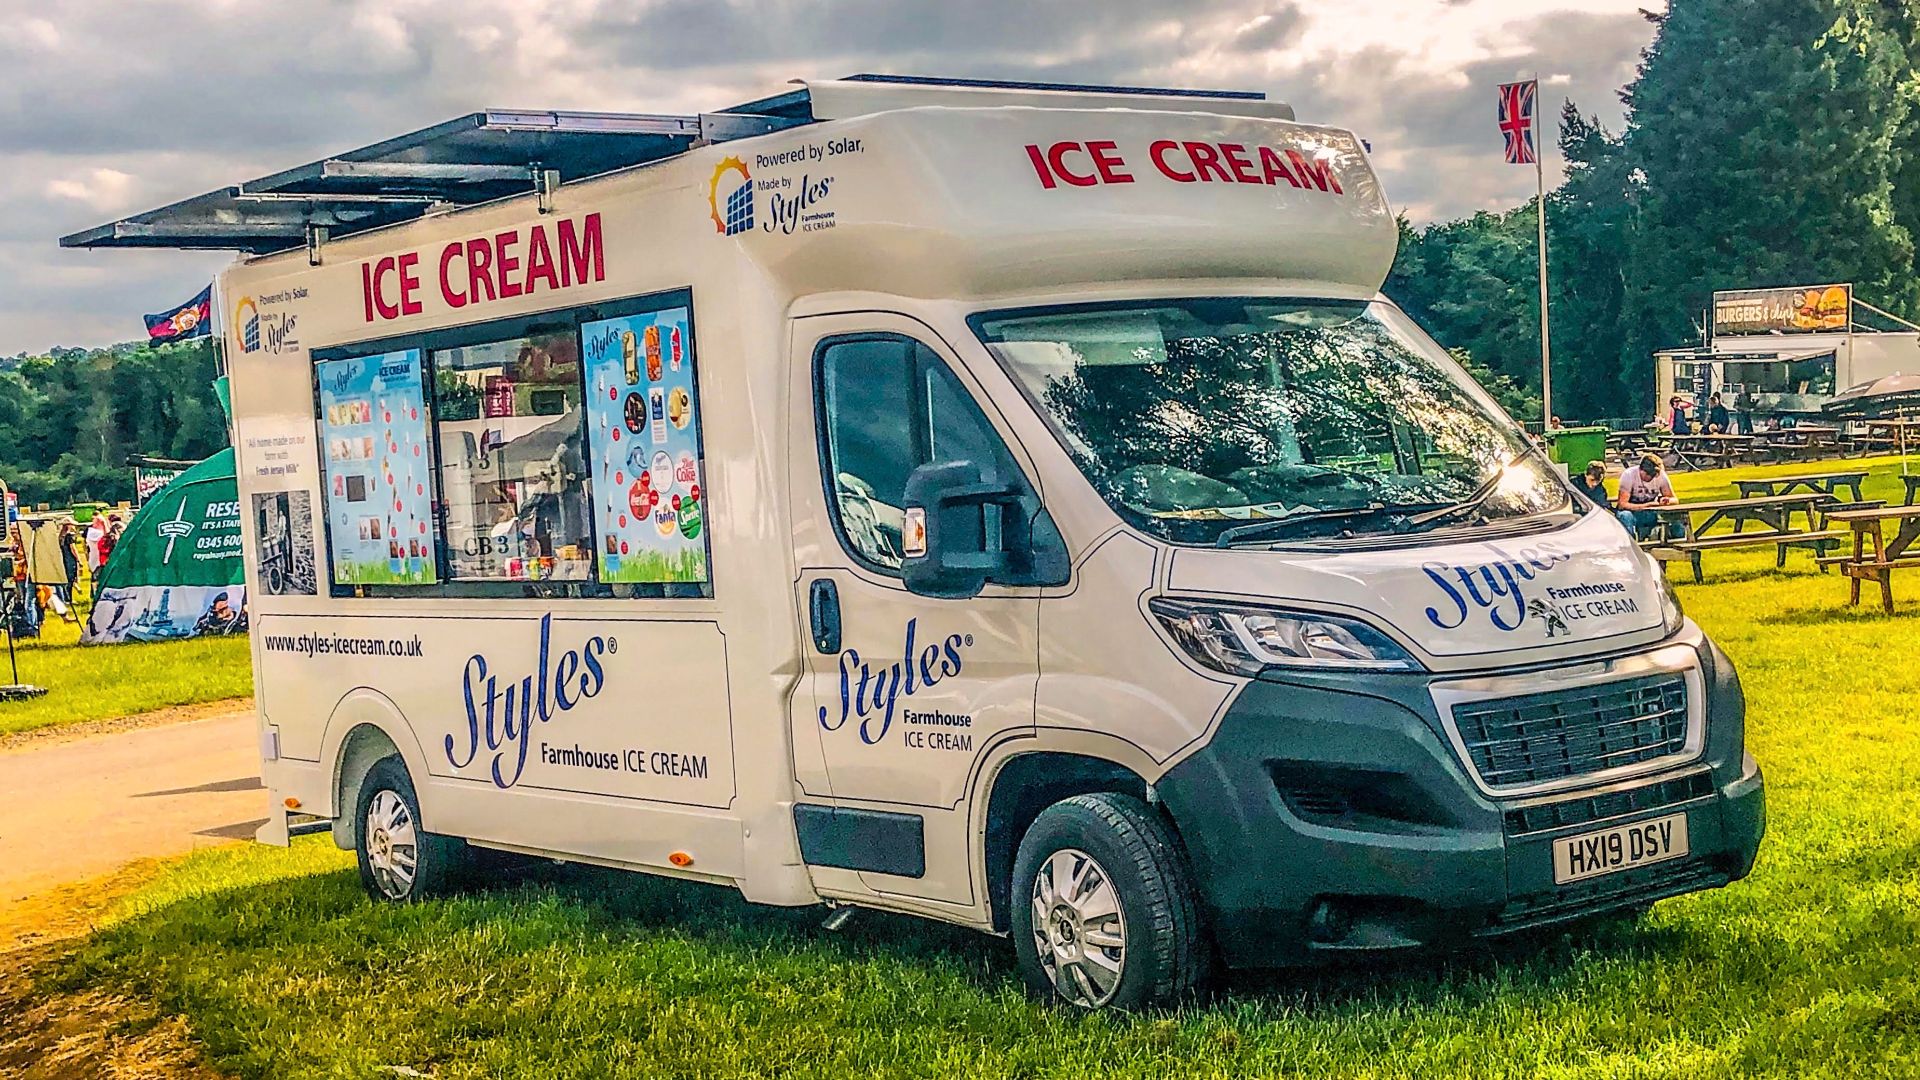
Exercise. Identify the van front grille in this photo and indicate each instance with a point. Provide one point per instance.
(1519, 742)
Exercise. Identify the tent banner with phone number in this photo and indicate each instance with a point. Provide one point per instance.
(373, 432)
(649, 500)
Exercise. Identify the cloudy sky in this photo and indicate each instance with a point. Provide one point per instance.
(110, 107)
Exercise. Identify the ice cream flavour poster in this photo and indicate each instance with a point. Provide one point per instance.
(649, 494)
(373, 437)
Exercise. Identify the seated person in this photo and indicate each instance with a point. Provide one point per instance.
(1641, 489)
(1718, 420)
(1593, 483)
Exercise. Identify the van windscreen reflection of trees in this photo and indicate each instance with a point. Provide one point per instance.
(1202, 411)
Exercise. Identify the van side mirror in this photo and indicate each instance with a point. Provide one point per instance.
(950, 550)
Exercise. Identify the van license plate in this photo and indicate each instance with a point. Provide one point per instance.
(1576, 858)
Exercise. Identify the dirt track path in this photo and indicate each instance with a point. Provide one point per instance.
(80, 809)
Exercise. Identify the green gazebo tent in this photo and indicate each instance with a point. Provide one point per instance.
(176, 571)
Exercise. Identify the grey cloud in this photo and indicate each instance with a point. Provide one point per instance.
(184, 97)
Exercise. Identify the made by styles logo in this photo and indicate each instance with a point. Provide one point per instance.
(259, 329)
(869, 696)
(791, 203)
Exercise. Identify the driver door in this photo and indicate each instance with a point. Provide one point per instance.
(901, 693)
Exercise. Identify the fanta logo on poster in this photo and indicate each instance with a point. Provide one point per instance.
(501, 718)
(730, 197)
(870, 696)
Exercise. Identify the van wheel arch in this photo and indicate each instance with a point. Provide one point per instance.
(1024, 787)
(363, 747)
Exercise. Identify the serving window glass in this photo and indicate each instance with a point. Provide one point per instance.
(514, 489)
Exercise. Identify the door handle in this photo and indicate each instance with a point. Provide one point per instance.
(823, 604)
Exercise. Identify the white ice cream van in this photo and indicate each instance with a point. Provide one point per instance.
(1016, 506)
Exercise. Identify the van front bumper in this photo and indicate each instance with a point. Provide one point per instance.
(1331, 814)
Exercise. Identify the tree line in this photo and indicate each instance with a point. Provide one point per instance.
(1767, 142)
(69, 419)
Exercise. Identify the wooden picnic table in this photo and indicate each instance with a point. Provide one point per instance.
(1827, 483)
(1886, 555)
(1805, 442)
(1913, 488)
(1717, 450)
(1678, 536)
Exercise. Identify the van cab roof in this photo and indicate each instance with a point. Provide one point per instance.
(498, 153)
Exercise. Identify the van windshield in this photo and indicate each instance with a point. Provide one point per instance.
(1196, 417)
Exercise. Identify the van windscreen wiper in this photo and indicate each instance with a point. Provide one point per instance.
(1299, 515)
(1479, 495)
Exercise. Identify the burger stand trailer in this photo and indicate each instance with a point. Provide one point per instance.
(1011, 505)
(1792, 348)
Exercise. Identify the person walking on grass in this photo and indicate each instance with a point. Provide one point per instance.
(96, 530)
(1643, 488)
(107, 543)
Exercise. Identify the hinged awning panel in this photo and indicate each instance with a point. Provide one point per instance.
(504, 152)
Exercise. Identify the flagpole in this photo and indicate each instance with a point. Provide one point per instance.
(1540, 185)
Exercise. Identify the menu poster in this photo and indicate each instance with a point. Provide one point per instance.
(649, 496)
(373, 429)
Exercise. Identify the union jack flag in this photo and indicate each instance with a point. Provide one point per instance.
(1516, 119)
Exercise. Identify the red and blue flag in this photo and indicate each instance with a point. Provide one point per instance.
(1516, 120)
(190, 320)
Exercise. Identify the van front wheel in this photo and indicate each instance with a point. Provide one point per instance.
(399, 860)
(1104, 914)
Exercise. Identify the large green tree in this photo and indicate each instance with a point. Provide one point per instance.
(1769, 135)
(1769, 142)
(69, 419)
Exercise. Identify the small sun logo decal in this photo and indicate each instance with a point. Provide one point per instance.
(731, 205)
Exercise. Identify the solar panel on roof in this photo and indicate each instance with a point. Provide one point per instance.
(500, 153)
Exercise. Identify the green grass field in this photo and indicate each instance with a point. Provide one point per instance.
(1809, 968)
(104, 682)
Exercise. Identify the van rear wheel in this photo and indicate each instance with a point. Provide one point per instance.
(1104, 914)
(399, 860)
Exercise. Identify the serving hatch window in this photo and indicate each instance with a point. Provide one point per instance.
(557, 456)
(513, 479)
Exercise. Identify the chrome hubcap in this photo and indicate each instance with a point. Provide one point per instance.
(392, 845)
(1078, 930)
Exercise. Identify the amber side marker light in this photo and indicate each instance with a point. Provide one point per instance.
(680, 858)
(292, 803)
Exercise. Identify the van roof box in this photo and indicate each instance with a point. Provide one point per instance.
(503, 152)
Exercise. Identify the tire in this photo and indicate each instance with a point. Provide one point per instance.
(388, 834)
(1104, 913)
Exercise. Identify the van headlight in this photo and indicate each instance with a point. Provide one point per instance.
(1247, 640)
(1671, 617)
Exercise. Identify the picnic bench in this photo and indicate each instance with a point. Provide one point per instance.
(1805, 442)
(1710, 451)
(1827, 483)
(1886, 556)
(1913, 488)
(1632, 441)
(1679, 537)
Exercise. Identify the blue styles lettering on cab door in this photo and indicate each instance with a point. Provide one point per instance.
(1494, 587)
(501, 719)
(870, 697)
